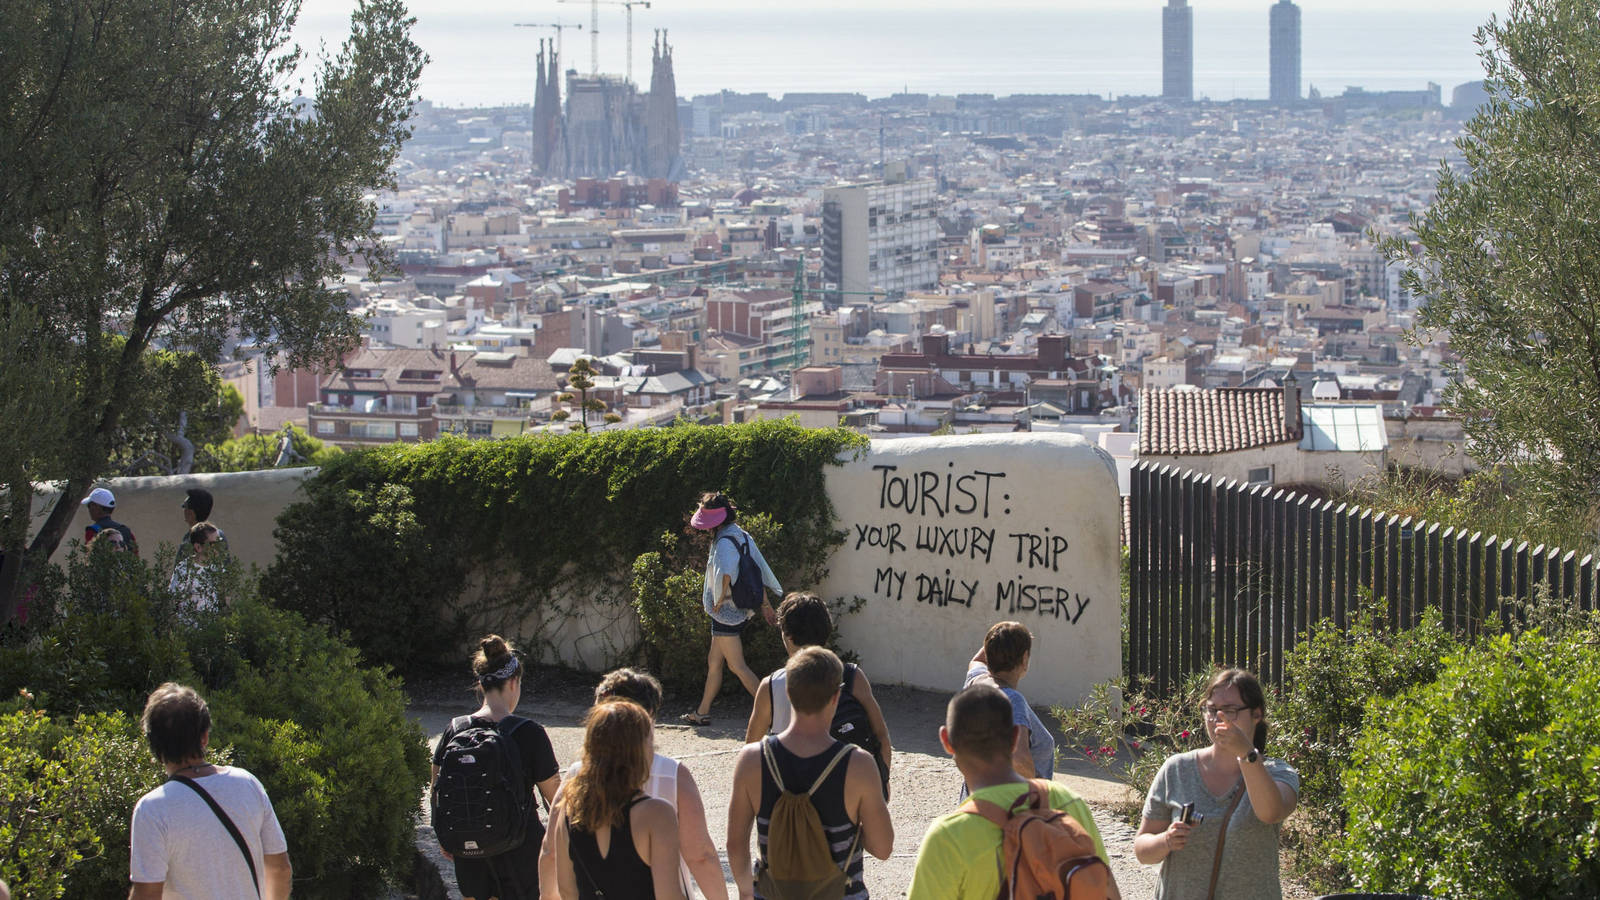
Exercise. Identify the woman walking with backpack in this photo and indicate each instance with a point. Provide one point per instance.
(609, 838)
(494, 857)
(729, 543)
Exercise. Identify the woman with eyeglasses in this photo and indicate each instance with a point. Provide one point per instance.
(1212, 817)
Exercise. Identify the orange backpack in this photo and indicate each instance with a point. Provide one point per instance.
(1045, 853)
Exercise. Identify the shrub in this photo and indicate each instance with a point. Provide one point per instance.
(328, 737)
(390, 541)
(67, 789)
(101, 633)
(1329, 680)
(361, 561)
(1485, 783)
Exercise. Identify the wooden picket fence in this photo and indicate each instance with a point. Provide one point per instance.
(1235, 574)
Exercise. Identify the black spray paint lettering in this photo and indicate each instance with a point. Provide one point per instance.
(925, 492)
(970, 542)
(886, 536)
(1040, 551)
(937, 591)
(890, 583)
(1053, 601)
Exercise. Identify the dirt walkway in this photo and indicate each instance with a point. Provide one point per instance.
(924, 781)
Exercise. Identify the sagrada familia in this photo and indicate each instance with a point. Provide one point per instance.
(608, 126)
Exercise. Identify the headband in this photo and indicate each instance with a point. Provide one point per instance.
(501, 674)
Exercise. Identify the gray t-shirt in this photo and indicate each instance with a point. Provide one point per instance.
(1250, 856)
(1041, 745)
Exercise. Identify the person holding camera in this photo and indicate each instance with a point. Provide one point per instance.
(1211, 819)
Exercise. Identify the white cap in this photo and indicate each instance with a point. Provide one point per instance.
(101, 497)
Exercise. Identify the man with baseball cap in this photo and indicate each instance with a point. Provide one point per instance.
(100, 503)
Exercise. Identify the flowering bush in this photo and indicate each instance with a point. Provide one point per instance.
(1130, 733)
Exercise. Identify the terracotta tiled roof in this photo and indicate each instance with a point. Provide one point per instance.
(1192, 423)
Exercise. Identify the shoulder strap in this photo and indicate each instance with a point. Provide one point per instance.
(849, 684)
(986, 809)
(1222, 837)
(772, 762)
(515, 721)
(233, 830)
(844, 751)
(460, 722)
(1037, 788)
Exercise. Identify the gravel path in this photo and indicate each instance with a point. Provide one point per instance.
(924, 782)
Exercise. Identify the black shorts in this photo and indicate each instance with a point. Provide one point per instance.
(720, 630)
(513, 875)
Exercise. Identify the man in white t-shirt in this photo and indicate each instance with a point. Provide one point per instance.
(181, 847)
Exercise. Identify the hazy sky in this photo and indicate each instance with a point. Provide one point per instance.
(1004, 46)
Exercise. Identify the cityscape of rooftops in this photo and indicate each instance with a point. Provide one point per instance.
(1191, 193)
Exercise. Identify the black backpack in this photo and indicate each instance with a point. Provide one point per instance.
(850, 722)
(481, 801)
(748, 589)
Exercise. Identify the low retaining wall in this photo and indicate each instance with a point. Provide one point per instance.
(247, 508)
(945, 536)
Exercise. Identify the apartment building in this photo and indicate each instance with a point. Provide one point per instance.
(763, 327)
(880, 236)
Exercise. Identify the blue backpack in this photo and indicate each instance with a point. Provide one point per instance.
(748, 590)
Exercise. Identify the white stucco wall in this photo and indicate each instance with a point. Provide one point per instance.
(948, 535)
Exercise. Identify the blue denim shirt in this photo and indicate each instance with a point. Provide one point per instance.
(723, 559)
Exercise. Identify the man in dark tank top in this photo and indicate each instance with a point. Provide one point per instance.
(849, 800)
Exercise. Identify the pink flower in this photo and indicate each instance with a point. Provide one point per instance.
(1183, 734)
(1107, 750)
(1135, 745)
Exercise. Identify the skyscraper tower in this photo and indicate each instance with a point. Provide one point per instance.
(1177, 51)
(1285, 47)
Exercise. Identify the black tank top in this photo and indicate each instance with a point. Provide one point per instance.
(798, 775)
(620, 875)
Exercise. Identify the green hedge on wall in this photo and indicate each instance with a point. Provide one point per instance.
(391, 545)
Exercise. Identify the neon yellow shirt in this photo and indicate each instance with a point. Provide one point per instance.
(960, 855)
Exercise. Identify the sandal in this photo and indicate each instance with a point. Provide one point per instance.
(695, 719)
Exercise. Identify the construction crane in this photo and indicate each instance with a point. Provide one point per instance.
(594, 29)
(558, 26)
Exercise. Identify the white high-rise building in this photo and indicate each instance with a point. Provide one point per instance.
(880, 237)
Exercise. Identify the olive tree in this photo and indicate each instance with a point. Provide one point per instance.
(168, 181)
(1507, 260)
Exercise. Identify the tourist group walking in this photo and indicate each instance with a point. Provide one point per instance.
(811, 784)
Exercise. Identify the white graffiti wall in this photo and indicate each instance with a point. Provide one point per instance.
(948, 535)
